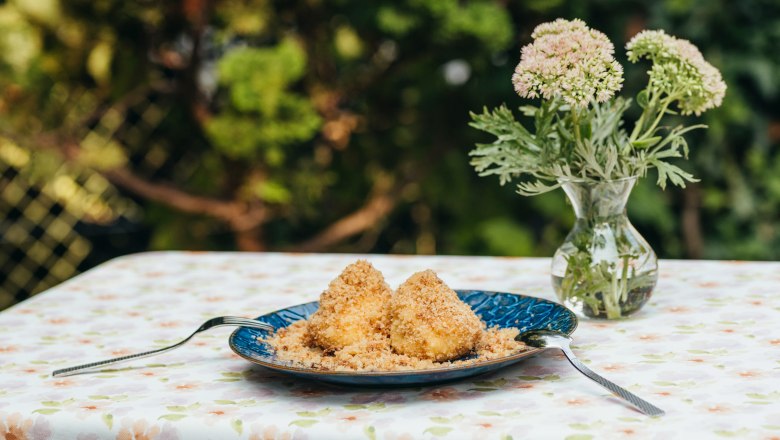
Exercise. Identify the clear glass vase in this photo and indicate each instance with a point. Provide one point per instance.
(604, 268)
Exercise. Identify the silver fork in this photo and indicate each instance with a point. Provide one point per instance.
(211, 323)
(542, 338)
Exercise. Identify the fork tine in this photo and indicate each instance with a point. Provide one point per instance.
(235, 320)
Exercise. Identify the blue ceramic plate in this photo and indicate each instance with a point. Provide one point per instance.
(495, 308)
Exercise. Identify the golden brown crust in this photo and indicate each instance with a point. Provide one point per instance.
(360, 326)
(429, 321)
(292, 345)
(352, 309)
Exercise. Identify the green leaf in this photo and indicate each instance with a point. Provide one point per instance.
(370, 432)
(667, 171)
(440, 420)
(247, 402)
(108, 419)
(579, 437)
(641, 99)
(46, 411)
(303, 423)
(491, 383)
(177, 408)
(321, 413)
(237, 426)
(172, 417)
(438, 431)
(272, 192)
(740, 433)
(225, 402)
(647, 142)
(528, 110)
(395, 22)
(348, 43)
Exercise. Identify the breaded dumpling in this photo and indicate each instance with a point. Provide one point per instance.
(353, 309)
(429, 321)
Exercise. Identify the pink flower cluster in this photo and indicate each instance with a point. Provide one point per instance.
(568, 60)
(680, 70)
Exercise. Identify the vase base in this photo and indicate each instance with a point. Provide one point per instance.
(593, 306)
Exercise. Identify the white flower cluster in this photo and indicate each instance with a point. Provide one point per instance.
(568, 60)
(679, 70)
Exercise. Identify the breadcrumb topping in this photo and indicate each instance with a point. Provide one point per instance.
(362, 326)
(353, 308)
(293, 345)
(429, 321)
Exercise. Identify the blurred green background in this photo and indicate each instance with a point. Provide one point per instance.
(337, 125)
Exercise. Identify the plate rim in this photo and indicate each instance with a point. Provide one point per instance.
(368, 374)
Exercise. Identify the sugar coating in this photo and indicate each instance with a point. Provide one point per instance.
(352, 309)
(429, 321)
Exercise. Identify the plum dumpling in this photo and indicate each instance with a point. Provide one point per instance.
(352, 310)
(429, 321)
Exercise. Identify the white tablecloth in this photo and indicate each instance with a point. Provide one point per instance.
(706, 349)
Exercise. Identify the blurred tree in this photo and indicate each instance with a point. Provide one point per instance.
(341, 124)
(290, 117)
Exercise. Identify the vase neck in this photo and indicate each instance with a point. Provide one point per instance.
(598, 199)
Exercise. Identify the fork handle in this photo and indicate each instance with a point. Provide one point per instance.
(642, 405)
(79, 368)
(211, 323)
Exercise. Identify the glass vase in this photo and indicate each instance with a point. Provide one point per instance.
(604, 268)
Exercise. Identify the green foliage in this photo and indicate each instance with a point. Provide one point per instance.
(597, 148)
(263, 112)
(485, 21)
(257, 78)
(317, 104)
(503, 236)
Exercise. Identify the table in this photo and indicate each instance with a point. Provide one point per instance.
(706, 349)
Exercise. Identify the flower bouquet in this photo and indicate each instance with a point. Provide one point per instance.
(579, 142)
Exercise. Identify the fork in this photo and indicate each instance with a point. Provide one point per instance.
(211, 323)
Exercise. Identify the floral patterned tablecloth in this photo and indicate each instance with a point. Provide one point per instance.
(706, 349)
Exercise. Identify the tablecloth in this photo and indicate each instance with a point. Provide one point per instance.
(706, 348)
